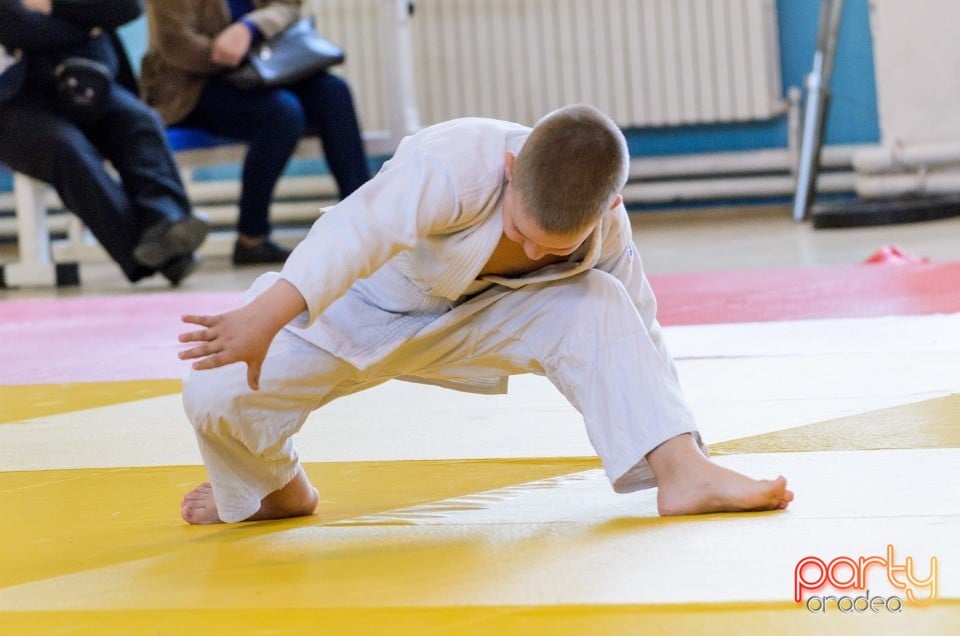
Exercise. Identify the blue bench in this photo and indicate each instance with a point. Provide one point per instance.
(193, 139)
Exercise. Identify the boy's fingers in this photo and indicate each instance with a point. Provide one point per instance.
(201, 351)
(189, 354)
(201, 335)
(203, 321)
(210, 362)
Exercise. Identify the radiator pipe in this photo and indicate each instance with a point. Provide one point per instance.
(899, 155)
(720, 163)
(729, 188)
(919, 182)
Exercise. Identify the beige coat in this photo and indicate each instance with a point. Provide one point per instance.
(177, 63)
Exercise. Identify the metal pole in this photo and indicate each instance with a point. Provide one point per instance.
(815, 113)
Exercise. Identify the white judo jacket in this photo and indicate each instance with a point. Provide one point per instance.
(408, 246)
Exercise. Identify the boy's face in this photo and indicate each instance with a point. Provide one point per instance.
(536, 242)
(520, 227)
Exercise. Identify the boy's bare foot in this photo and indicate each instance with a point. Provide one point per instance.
(198, 507)
(689, 483)
(297, 499)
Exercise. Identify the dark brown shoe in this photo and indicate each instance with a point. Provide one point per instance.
(165, 241)
(179, 268)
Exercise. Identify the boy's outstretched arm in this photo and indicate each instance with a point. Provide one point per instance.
(244, 334)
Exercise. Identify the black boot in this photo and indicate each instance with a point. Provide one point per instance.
(261, 253)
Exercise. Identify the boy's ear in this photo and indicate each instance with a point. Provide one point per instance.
(508, 165)
(616, 201)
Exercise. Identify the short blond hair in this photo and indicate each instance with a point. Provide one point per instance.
(570, 168)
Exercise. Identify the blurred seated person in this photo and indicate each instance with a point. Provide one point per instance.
(78, 106)
(193, 43)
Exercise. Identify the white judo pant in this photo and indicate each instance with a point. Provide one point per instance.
(583, 333)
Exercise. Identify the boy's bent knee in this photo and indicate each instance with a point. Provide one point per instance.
(586, 292)
(598, 283)
(593, 304)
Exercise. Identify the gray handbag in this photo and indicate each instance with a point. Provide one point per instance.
(291, 55)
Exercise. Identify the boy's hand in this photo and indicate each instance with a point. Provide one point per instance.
(228, 338)
(245, 334)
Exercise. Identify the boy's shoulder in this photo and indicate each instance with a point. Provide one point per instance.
(471, 151)
(463, 124)
(468, 135)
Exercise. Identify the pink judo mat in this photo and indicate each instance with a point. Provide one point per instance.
(846, 291)
(134, 337)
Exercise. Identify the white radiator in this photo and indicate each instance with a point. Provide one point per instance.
(646, 62)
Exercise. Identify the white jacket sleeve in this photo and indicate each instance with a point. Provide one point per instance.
(413, 195)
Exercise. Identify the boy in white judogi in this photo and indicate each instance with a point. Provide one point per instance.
(482, 249)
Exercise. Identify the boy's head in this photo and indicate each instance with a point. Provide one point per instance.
(570, 170)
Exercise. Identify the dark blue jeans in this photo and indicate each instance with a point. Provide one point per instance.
(272, 121)
(37, 140)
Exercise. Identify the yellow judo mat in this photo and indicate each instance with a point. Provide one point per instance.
(446, 513)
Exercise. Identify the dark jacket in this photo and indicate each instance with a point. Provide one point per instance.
(46, 40)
